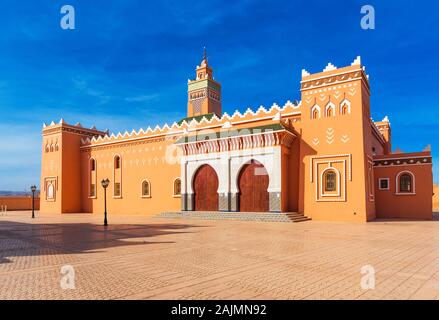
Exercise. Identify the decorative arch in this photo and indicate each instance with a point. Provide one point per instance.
(345, 107)
(253, 182)
(315, 112)
(405, 183)
(330, 110)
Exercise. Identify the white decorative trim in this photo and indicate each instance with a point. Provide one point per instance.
(330, 67)
(357, 61)
(331, 156)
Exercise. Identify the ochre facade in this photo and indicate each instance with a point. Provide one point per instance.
(323, 157)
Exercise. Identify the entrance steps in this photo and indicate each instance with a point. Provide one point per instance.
(244, 216)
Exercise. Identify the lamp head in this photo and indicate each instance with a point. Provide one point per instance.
(105, 183)
(33, 188)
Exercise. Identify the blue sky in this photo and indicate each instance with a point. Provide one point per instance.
(127, 63)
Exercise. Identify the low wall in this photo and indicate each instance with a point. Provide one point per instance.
(18, 203)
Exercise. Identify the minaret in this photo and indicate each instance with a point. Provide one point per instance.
(204, 93)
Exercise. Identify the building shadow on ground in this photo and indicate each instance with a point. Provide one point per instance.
(22, 239)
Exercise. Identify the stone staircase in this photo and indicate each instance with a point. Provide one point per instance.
(243, 216)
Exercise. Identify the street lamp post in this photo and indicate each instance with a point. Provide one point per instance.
(33, 189)
(105, 183)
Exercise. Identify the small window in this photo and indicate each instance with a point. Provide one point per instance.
(344, 109)
(117, 189)
(117, 162)
(146, 189)
(92, 165)
(330, 181)
(405, 183)
(177, 187)
(384, 184)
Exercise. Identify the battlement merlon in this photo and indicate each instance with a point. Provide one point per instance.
(75, 129)
(331, 75)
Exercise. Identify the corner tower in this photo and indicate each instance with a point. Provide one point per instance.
(204, 93)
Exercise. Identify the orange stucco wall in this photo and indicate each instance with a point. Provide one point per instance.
(346, 142)
(390, 204)
(18, 203)
(139, 161)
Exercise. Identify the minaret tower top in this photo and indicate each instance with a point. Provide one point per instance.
(204, 93)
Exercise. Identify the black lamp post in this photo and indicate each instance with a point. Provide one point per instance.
(105, 183)
(33, 189)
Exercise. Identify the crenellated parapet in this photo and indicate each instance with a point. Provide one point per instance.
(185, 126)
(331, 75)
(62, 126)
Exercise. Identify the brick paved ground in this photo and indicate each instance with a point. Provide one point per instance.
(156, 258)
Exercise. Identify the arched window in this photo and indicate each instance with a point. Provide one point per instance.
(146, 189)
(344, 109)
(117, 177)
(116, 162)
(406, 183)
(177, 187)
(93, 178)
(330, 181)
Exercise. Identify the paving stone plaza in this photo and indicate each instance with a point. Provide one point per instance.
(170, 258)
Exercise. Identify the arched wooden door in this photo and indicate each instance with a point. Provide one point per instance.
(206, 189)
(253, 184)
